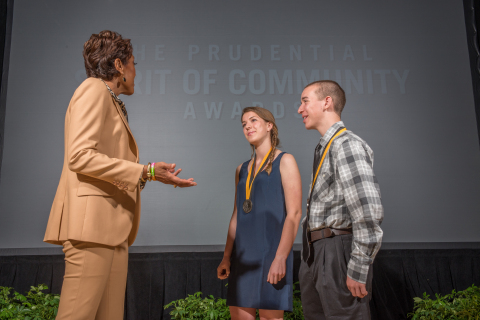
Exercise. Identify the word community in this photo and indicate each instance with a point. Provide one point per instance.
(272, 81)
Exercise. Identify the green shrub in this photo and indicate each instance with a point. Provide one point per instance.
(297, 312)
(461, 305)
(35, 306)
(196, 307)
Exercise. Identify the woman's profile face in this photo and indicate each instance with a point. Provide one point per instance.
(129, 74)
(255, 128)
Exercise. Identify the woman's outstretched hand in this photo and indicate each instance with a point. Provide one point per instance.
(223, 270)
(165, 173)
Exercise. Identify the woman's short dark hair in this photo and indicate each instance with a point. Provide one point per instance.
(101, 51)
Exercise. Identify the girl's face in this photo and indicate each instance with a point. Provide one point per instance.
(255, 129)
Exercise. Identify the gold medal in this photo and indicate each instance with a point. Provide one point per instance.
(248, 204)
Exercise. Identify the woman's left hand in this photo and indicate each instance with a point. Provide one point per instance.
(165, 173)
(277, 270)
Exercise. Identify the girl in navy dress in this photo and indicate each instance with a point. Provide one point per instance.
(258, 258)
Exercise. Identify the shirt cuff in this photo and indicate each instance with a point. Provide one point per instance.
(358, 272)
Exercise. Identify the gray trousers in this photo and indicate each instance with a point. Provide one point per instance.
(323, 283)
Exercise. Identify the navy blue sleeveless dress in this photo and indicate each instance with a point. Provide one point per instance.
(256, 242)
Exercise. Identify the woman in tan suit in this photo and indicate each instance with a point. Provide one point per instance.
(96, 211)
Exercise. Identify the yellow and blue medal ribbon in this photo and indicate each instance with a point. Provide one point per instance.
(247, 204)
(323, 156)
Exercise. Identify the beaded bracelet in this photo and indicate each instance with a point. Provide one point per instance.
(142, 181)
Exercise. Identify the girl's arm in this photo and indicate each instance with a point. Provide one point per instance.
(292, 187)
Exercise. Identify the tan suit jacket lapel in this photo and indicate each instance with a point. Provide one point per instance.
(125, 122)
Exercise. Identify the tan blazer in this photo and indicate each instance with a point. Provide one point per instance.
(98, 198)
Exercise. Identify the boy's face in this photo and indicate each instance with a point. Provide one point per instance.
(311, 108)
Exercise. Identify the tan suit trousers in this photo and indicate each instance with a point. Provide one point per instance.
(95, 281)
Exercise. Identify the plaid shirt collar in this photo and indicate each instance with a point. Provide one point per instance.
(330, 132)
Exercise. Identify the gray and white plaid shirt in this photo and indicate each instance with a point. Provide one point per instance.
(347, 195)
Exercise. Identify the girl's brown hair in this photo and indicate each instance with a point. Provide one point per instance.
(268, 117)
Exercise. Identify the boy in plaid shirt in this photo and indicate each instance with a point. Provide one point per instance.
(341, 232)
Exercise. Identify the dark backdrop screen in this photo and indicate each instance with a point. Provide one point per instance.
(403, 64)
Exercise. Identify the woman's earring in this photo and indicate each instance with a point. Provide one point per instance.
(124, 80)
